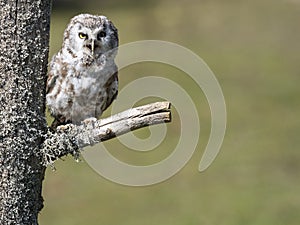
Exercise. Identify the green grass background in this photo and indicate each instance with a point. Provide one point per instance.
(253, 47)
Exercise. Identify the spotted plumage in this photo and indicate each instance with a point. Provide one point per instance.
(83, 77)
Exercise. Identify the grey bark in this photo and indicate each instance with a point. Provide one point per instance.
(27, 145)
(24, 38)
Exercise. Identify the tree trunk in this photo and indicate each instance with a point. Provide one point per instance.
(24, 38)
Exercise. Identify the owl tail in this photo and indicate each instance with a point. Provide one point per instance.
(55, 124)
(59, 121)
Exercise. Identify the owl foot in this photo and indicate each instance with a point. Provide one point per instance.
(64, 127)
(89, 122)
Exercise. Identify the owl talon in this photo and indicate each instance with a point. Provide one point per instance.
(89, 122)
(64, 127)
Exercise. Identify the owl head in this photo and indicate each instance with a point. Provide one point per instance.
(90, 35)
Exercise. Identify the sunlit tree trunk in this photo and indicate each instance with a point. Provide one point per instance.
(24, 38)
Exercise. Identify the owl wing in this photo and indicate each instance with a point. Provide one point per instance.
(52, 75)
(111, 90)
(51, 81)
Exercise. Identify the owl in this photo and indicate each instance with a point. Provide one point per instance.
(83, 77)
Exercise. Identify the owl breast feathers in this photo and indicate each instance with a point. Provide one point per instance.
(83, 77)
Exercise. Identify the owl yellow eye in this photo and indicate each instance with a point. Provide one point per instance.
(82, 36)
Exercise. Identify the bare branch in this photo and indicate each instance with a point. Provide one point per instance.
(70, 138)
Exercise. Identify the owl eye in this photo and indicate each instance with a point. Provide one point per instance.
(101, 34)
(83, 36)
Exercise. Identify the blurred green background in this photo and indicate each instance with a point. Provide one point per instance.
(253, 48)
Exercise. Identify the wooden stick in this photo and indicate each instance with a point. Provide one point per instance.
(70, 138)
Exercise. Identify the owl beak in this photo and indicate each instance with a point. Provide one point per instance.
(93, 47)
